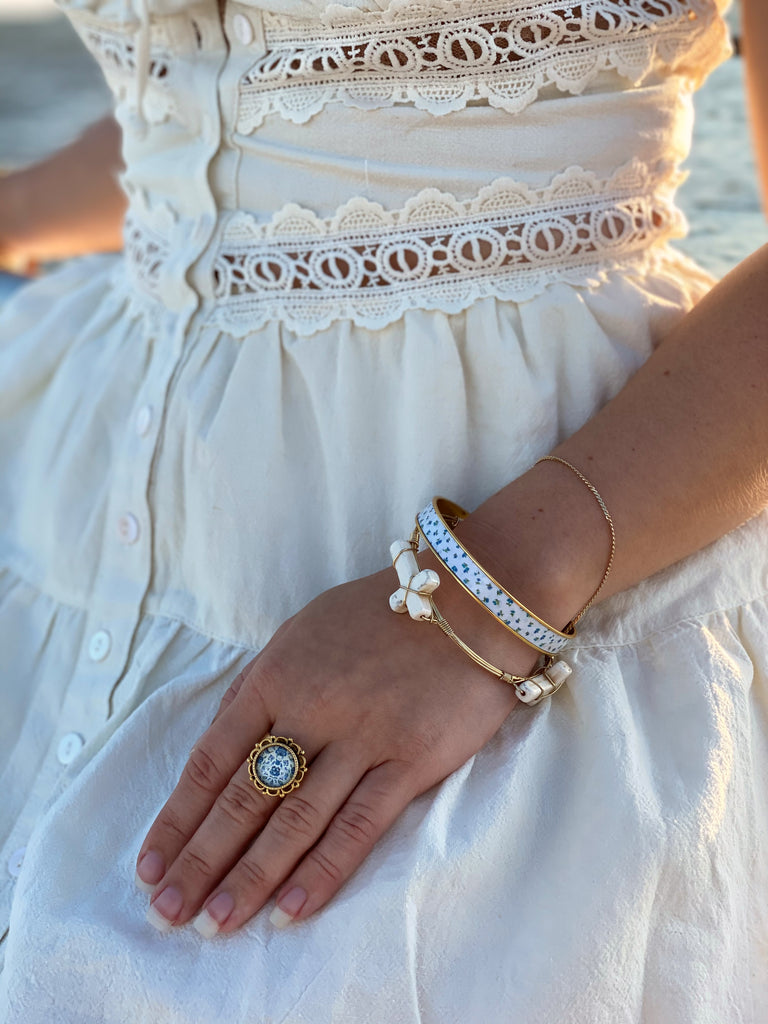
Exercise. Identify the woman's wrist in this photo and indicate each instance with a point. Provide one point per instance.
(546, 542)
(545, 539)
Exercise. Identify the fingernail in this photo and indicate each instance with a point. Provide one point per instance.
(288, 907)
(211, 918)
(149, 871)
(162, 911)
(157, 920)
(143, 886)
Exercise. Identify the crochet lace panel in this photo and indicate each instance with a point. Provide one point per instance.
(438, 55)
(114, 48)
(371, 265)
(441, 54)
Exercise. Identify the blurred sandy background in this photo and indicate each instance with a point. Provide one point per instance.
(50, 89)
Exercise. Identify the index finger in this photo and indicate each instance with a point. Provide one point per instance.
(212, 762)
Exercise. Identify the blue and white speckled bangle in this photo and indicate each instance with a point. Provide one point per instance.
(484, 588)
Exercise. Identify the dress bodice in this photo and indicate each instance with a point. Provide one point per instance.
(425, 151)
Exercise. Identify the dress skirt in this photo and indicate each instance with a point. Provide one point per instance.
(374, 252)
(591, 863)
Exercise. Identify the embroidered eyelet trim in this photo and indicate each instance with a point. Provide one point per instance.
(370, 265)
(146, 255)
(115, 51)
(441, 54)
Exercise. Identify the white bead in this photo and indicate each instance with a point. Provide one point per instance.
(558, 673)
(529, 692)
(544, 683)
(415, 584)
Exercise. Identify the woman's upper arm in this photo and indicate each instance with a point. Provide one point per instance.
(755, 49)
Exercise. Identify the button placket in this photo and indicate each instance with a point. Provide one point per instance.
(128, 558)
(125, 563)
(124, 573)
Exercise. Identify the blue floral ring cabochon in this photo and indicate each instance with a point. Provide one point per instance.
(276, 766)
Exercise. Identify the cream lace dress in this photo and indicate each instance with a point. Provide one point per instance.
(374, 252)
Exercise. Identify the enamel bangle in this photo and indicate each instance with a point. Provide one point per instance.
(484, 588)
(414, 596)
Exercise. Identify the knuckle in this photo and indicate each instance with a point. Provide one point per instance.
(356, 823)
(326, 866)
(419, 748)
(231, 692)
(203, 772)
(296, 817)
(172, 826)
(196, 863)
(252, 874)
(252, 696)
(237, 802)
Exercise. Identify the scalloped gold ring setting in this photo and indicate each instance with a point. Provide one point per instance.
(277, 765)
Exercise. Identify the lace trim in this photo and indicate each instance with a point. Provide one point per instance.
(440, 54)
(370, 265)
(115, 50)
(146, 255)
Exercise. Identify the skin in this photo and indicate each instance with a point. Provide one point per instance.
(754, 22)
(53, 210)
(387, 716)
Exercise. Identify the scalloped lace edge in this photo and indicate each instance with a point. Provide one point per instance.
(441, 54)
(371, 265)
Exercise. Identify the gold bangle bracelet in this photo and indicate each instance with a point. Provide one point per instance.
(606, 514)
(435, 526)
(506, 677)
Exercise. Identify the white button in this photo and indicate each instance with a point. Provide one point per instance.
(128, 528)
(100, 645)
(69, 747)
(15, 861)
(143, 420)
(243, 29)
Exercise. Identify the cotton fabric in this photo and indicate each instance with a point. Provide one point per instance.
(175, 484)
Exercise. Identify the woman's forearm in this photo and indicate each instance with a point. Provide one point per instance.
(754, 39)
(66, 205)
(680, 456)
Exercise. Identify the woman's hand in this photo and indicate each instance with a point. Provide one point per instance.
(384, 707)
(68, 204)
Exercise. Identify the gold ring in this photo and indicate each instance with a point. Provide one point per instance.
(277, 765)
